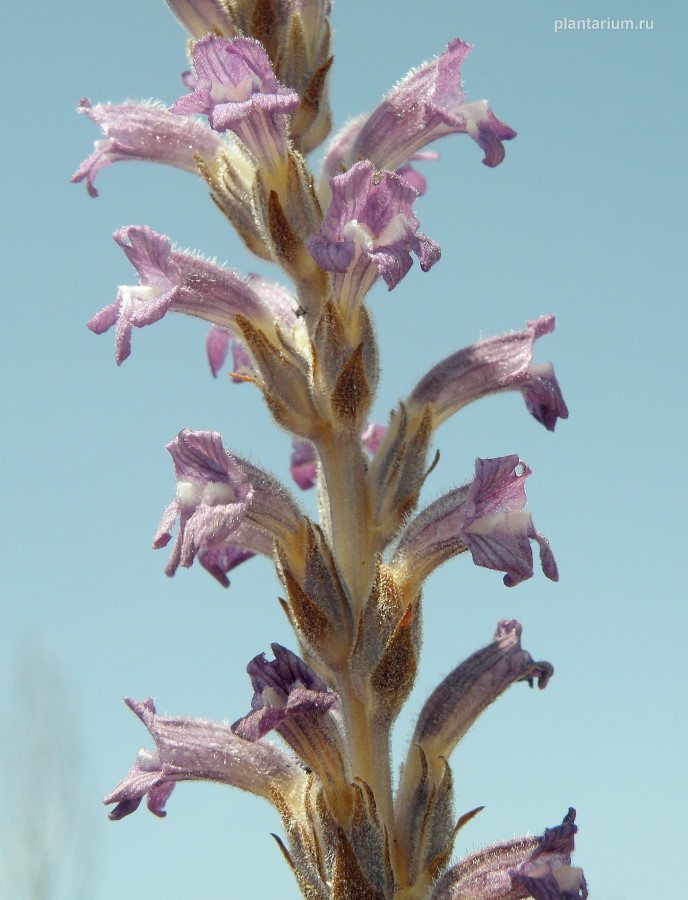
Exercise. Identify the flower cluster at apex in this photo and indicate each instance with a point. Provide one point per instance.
(353, 579)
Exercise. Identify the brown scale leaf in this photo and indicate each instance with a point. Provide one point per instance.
(377, 623)
(323, 580)
(351, 395)
(308, 108)
(290, 66)
(285, 387)
(370, 350)
(310, 620)
(413, 818)
(413, 468)
(425, 823)
(233, 203)
(304, 209)
(388, 457)
(304, 852)
(318, 856)
(263, 26)
(369, 838)
(285, 241)
(330, 341)
(393, 677)
(439, 832)
(348, 881)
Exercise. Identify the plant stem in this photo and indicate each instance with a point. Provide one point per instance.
(344, 470)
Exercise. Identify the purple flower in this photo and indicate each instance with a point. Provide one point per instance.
(486, 517)
(193, 750)
(303, 464)
(428, 104)
(489, 367)
(295, 35)
(423, 811)
(371, 437)
(369, 230)
(290, 698)
(282, 688)
(537, 867)
(242, 544)
(218, 343)
(225, 506)
(237, 89)
(458, 700)
(414, 178)
(213, 493)
(145, 132)
(172, 281)
(304, 461)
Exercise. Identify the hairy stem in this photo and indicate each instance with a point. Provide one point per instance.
(344, 468)
(368, 749)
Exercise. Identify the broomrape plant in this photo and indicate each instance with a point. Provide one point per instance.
(256, 105)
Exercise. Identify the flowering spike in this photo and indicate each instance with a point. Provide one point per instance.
(352, 575)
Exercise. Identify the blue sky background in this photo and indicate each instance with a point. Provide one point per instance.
(585, 219)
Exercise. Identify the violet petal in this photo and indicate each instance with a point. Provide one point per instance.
(145, 132)
(191, 750)
(498, 364)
